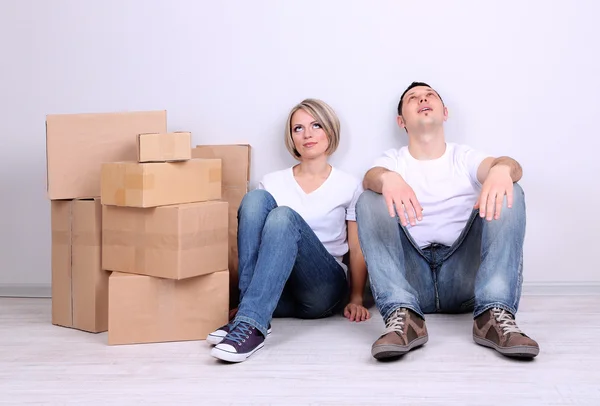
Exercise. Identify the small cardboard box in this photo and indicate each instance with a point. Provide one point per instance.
(133, 184)
(78, 144)
(79, 285)
(175, 242)
(236, 177)
(168, 147)
(144, 309)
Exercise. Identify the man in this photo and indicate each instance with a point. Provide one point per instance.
(459, 244)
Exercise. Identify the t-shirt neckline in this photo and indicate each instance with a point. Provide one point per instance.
(297, 185)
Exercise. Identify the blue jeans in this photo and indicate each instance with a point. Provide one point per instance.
(284, 270)
(481, 270)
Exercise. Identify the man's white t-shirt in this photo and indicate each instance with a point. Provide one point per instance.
(447, 189)
(325, 210)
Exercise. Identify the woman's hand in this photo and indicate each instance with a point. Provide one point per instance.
(355, 311)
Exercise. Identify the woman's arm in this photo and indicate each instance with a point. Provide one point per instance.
(355, 311)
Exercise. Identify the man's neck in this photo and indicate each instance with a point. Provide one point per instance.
(427, 145)
(313, 168)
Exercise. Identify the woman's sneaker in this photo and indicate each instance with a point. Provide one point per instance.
(240, 343)
(219, 334)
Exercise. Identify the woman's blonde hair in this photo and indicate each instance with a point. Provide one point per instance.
(324, 115)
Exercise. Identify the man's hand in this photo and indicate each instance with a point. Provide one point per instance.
(355, 311)
(397, 192)
(498, 183)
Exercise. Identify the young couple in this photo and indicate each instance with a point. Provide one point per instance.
(441, 229)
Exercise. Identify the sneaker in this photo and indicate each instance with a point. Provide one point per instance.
(240, 343)
(404, 331)
(496, 328)
(219, 334)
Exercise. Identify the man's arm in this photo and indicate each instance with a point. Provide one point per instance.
(399, 196)
(516, 171)
(373, 179)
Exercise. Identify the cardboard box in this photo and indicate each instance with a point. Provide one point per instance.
(143, 309)
(77, 145)
(175, 242)
(134, 184)
(236, 162)
(236, 177)
(79, 285)
(168, 147)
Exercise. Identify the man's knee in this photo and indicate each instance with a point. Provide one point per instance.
(518, 195)
(517, 209)
(369, 205)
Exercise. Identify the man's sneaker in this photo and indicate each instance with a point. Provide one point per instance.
(404, 331)
(241, 342)
(497, 329)
(219, 334)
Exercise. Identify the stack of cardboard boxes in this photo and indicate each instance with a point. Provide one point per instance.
(140, 228)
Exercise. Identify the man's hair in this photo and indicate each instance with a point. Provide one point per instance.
(414, 84)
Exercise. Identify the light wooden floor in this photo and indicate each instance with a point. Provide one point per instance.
(324, 362)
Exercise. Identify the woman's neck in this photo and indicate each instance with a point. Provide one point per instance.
(313, 168)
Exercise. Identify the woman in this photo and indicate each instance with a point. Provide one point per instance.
(292, 235)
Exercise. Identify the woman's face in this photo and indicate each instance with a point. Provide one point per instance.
(309, 137)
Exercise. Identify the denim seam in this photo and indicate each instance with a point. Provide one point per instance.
(395, 307)
(489, 306)
(462, 236)
(413, 243)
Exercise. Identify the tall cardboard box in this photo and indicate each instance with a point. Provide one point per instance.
(144, 309)
(236, 177)
(175, 242)
(77, 145)
(79, 285)
(133, 184)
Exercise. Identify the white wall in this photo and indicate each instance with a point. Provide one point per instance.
(520, 79)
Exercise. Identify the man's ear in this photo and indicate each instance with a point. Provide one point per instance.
(445, 113)
(401, 123)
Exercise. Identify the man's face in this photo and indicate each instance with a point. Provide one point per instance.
(421, 108)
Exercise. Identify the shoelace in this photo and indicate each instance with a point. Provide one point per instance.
(506, 320)
(395, 322)
(240, 333)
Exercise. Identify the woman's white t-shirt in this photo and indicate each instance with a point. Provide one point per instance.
(325, 210)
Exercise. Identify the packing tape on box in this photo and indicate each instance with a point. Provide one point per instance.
(167, 147)
(141, 239)
(87, 238)
(133, 182)
(167, 306)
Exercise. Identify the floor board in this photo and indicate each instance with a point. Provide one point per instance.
(324, 362)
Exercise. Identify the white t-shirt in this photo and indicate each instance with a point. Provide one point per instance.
(325, 210)
(447, 189)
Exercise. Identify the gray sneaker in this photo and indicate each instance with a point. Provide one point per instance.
(404, 331)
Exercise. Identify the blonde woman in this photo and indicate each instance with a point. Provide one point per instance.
(293, 231)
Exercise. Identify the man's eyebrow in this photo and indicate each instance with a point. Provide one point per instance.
(427, 88)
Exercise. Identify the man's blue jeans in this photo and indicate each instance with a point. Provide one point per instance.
(284, 270)
(481, 270)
